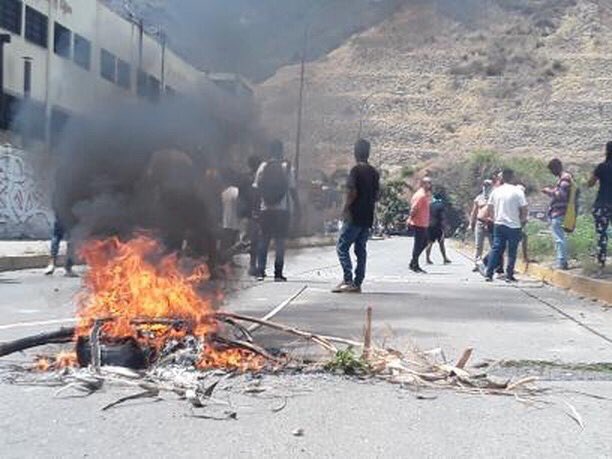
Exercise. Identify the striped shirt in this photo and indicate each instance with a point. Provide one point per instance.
(560, 196)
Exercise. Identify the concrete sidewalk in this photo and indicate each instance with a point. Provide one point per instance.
(17, 255)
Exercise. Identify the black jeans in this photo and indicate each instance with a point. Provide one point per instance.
(420, 244)
(274, 225)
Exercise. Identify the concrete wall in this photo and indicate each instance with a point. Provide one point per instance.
(24, 202)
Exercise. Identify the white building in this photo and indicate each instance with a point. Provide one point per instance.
(68, 55)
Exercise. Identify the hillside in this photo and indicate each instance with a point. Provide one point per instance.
(432, 84)
(255, 38)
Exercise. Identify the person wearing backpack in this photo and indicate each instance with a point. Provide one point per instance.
(602, 209)
(557, 210)
(276, 185)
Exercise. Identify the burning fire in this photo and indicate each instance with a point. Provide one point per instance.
(135, 290)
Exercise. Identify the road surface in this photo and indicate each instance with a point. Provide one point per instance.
(449, 308)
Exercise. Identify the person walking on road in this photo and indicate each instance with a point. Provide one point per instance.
(480, 223)
(508, 206)
(560, 196)
(437, 225)
(418, 221)
(275, 182)
(602, 209)
(362, 192)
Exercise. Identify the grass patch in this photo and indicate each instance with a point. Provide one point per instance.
(345, 361)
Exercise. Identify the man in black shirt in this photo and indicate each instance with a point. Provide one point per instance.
(437, 223)
(361, 196)
(602, 209)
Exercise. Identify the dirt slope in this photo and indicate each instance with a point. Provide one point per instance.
(524, 77)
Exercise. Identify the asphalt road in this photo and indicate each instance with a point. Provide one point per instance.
(450, 308)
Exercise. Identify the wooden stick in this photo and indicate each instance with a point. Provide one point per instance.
(367, 338)
(464, 358)
(323, 342)
(278, 309)
(63, 335)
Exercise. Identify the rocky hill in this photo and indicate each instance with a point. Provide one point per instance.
(433, 83)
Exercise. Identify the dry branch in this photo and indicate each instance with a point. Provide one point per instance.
(323, 342)
(278, 308)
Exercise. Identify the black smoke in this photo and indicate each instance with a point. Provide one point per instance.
(154, 166)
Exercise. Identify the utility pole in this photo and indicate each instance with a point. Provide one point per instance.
(298, 138)
(4, 39)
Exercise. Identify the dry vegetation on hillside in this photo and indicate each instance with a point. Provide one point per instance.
(515, 76)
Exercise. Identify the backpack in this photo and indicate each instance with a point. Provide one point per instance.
(571, 214)
(274, 182)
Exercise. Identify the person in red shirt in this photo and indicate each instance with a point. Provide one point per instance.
(418, 221)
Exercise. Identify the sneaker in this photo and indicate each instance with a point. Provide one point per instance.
(70, 273)
(50, 269)
(280, 278)
(511, 279)
(420, 270)
(343, 287)
(488, 279)
(414, 268)
(261, 276)
(501, 276)
(447, 262)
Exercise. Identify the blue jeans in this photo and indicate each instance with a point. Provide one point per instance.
(59, 233)
(358, 237)
(556, 226)
(504, 236)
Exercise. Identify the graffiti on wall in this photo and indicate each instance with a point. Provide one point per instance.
(24, 209)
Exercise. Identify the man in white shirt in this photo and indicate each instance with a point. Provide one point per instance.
(508, 206)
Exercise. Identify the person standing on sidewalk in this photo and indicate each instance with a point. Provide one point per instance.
(60, 232)
(418, 221)
(560, 195)
(275, 182)
(362, 192)
(602, 209)
(508, 206)
(480, 223)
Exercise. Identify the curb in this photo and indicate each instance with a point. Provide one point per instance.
(310, 242)
(20, 262)
(587, 287)
(591, 288)
(37, 261)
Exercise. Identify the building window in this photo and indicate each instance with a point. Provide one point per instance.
(62, 38)
(141, 84)
(108, 63)
(36, 27)
(123, 74)
(10, 15)
(154, 88)
(82, 51)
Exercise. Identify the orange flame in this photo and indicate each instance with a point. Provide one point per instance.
(131, 282)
